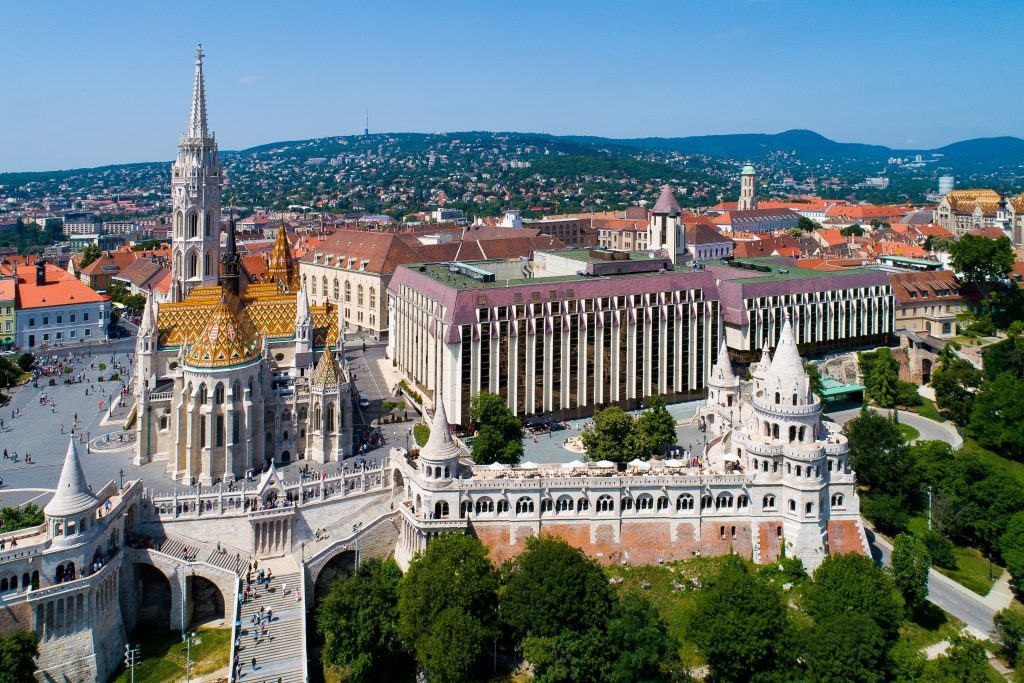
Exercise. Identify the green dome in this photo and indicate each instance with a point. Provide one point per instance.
(748, 170)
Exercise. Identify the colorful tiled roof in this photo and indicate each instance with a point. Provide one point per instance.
(282, 267)
(327, 372)
(226, 339)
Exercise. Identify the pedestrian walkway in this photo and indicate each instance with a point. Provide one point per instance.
(279, 655)
(379, 507)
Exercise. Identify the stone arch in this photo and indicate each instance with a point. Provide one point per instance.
(396, 479)
(207, 600)
(179, 224)
(192, 263)
(154, 591)
(340, 566)
(441, 509)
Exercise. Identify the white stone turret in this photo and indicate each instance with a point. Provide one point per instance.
(439, 457)
(664, 226)
(723, 385)
(303, 331)
(69, 514)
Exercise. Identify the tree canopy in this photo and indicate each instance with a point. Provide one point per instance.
(447, 605)
(18, 651)
(852, 584)
(909, 567)
(499, 434)
(845, 648)
(359, 622)
(619, 437)
(981, 261)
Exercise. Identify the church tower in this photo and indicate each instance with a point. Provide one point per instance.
(748, 189)
(664, 228)
(195, 191)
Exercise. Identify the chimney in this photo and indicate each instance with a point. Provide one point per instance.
(40, 273)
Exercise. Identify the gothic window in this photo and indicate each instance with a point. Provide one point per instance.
(809, 508)
(209, 221)
(163, 423)
(837, 500)
(626, 503)
(484, 504)
(724, 500)
(316, 417)
(178, 222)
(545, 505)
(742, 502)
(359, 295)
(645, 502)
(465, 508)
(684, 502)
(218, 393)
(206, 264)
(441, 509)
(234, 429)
(768, 502)
(564, 504)
(792, 505)
(605, 504)
(373, 297)
(706, 502)
(336, 290)
(236, 391)
(323, 286)
(202, 393)
(193, 225)
(582, 505)
(202, 432)
(193, 264)
(219, 432)
(330, 418)
(502, 505)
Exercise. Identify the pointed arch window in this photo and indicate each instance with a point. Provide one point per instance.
(193, 225)
(336, 290)
(359, 295)
(348, 292)
(330, 418)
(208, 225)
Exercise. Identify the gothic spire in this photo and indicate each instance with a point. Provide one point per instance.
(197, 113)
(73, 495)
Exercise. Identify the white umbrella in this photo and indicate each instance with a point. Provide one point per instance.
(574, 465)
(640, 464)
(604, 463)
(674, 463)
(497, 466)
(528, 465)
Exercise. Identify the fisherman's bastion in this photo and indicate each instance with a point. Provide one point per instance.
(235, 378)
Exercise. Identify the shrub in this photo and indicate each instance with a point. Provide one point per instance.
(421, 433)
(940, 548)
(887, 513)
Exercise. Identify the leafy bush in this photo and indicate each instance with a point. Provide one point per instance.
(412, 393)
(940, 548)
(421, 433)
(886, 512)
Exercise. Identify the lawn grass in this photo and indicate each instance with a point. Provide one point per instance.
(908, 432)
(927, 409)
(972, 570)
(163, 655)
(929, 626)
(1011, 468)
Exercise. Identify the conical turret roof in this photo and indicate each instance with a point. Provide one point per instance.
(281, 267)
(762, 366)
(667, 203)
(722, 374)
(73, 495)
(149, 316)
(787, 363)
(440, 445)
(327, 372)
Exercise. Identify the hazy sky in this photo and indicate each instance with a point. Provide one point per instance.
(91, 83)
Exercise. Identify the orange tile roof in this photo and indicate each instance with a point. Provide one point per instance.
(7, 289)
(60, 289)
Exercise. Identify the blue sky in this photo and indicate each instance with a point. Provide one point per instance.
(91, 83)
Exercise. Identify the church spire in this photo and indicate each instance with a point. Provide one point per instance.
(197, 114)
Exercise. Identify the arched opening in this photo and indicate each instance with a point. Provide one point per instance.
(206, 600)
(441, 509)
(564, 504)
(926, 370)
(605, 504)
(193, 225)
(193, 264)
(341, 565)
(524, 506)
(154, 590)
(684, 502)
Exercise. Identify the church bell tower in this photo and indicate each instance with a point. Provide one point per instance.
(195, 191)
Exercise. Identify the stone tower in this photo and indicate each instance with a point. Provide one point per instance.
(748, 189)
(664, 225)
(195, 191)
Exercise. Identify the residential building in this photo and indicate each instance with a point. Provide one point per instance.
(100, 273)
(52, 307)
(928, 302)
(7, 317)
(756, 220)
(962, 211)
(82, 224)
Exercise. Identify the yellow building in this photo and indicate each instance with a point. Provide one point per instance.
(7, 327)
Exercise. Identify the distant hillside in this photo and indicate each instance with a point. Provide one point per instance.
(984, 152)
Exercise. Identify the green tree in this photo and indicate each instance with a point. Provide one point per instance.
(608, 438)
(1011, 547)
(805, 224)
(954, 382)
(852, 584)
(1004, 356)
(852, 230)
(13, 517)
(814, 375)
(653, 430)
(90, 254)
(997, 415)
(910, 563)
(421, 433)
(553, 587)
(881, 376)
(499, 434)
(26, 361)
(1010, 629)
(359, 622)
(878, 454)
(18, 651)
(981, 261)
(845, 648)
(940, 549)
(887, 513)
(569, 657)
(740, 624)
(447, 607)
(963, 662)
(640, 644)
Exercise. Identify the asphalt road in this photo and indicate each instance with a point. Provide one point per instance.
(945, 593)
(930, 430)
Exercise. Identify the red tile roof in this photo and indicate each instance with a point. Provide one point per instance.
(60, 289)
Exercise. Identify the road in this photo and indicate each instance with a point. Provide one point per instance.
(944, 593)
(930, 429)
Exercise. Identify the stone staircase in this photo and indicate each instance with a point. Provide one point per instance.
(342, 530)
(281, 655)
(232, 561)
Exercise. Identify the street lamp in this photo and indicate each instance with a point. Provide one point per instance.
(122, 477)
(188, 638)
